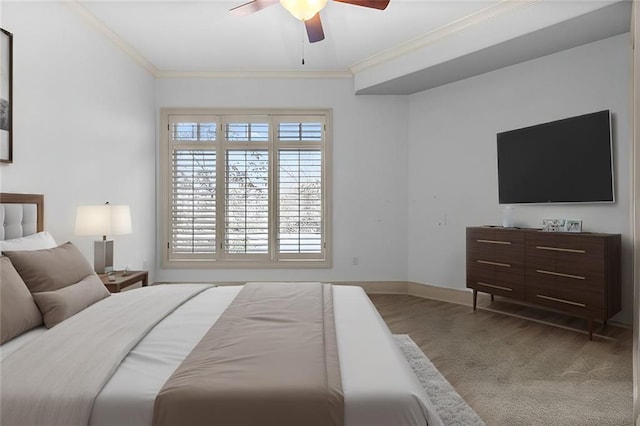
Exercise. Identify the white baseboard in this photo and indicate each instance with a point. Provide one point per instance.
(443, 294)
(451, 295)
(426, 291)
(378, 287)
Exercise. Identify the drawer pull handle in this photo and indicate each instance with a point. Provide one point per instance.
(561, 249)
(494, 286)
(486, 262)
(558, 274)
(494, 242)
(568, 302)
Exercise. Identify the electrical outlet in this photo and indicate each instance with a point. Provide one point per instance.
(356, 261)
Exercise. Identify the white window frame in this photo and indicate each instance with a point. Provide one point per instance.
(220, 259)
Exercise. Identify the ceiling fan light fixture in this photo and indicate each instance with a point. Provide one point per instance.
(303, 9)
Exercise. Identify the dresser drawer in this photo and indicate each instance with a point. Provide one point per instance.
(500, 284)
(583, 289)
(495, 261)
(572, 248)
(565, 297)
(580, 270)
(566, 254)
(495, 245)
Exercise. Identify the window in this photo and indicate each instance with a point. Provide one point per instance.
(245, 188)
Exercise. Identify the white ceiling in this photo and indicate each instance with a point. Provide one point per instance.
(187, 38)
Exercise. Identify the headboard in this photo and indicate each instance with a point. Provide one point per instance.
(21, 215)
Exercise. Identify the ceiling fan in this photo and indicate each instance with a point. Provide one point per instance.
(307, 11)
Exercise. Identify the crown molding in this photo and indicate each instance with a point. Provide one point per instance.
(255, 74)
(501, 8)
(97, 24)
(483, 15)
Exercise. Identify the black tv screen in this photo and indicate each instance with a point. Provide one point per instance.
(564, 161)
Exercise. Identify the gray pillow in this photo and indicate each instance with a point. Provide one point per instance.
(18, 312)
(50, 269)
(58, 305)
(60, 279)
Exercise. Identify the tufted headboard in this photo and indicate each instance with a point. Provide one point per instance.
(21, 215)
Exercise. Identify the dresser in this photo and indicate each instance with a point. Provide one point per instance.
(576, 273)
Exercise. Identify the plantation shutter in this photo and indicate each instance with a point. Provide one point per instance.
(300, 186)
(247, 202)
(245, 188)
(300, 202)
(193, 188)
(246, 185)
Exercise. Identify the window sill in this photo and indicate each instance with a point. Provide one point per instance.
(283, 264)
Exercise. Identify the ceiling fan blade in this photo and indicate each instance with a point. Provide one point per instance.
(252, 6)
(374, 4)
(314, 28)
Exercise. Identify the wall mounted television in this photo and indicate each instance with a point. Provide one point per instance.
(564, 161)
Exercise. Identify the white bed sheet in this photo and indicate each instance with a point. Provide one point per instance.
(15, 343)
(379, 387)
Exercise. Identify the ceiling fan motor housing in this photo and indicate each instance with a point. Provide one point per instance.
(303, 9)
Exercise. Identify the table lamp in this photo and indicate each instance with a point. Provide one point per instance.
(105, 219)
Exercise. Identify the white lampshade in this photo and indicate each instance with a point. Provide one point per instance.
(303, 9)
(104, 219)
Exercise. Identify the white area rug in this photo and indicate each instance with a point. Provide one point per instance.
(450, 406)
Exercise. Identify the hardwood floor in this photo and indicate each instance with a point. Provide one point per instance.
(515, 371)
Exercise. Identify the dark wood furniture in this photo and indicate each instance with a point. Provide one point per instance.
(576, 273)
(123, 281)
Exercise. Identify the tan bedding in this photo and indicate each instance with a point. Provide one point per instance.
(271, 359)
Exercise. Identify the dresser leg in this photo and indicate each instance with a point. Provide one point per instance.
(475, 298)
(590, 328)
(492, 298)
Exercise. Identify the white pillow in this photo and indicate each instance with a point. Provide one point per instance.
(39, 241)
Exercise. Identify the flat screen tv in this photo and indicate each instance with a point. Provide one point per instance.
(564, 161)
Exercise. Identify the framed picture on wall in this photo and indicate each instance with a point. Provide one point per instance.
(6, 101)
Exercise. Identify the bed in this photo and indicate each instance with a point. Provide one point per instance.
(376, 385)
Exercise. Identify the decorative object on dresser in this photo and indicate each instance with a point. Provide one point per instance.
(117, 281)
(507, 217)
(553, 225)
(105, 219)
(576, 273)
(573, 225)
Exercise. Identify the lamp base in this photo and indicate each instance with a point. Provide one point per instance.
(103, 256)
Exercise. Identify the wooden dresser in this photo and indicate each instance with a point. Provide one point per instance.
(577, 273)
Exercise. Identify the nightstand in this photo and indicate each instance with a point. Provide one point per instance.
(122, 281)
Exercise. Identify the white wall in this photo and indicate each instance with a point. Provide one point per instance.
(452, 154)
(369, 171)
(84, 123)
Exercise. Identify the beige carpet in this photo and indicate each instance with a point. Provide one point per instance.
(513, 371)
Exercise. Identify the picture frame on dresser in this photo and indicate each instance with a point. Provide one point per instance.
(553, 225)
(573, 225)
(6, 96)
